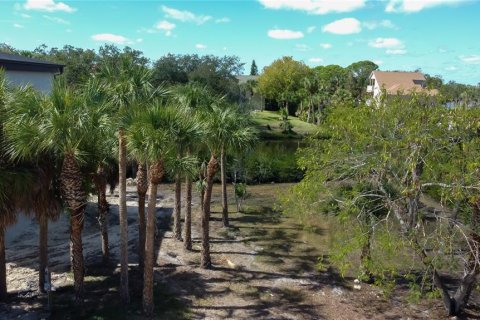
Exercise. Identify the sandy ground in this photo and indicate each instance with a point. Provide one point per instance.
(264, 268)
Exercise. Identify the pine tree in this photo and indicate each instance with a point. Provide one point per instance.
(254, 69)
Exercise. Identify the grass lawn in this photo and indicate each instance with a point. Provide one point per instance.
(268, 123)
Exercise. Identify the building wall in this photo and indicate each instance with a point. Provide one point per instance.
(376, 88)
(42, 81)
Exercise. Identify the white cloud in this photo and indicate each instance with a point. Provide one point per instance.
(343, 26)
(68, 30)
(314, 6)
(302, 47)
(48, 6)
(417, 5)
(451, 68)
(285, 34)
(139, 40)
(165, 26)
(223, 20)
(26, 16)
(326, 45)
(315, 60)
(56, 19)
(311, 29)
(471, 59)
(378, 62)
(396, 51)
(18, 26)
(393, 46)
(185, 16)
(386, 43)
(109, 37)
(371, 25)
(200, 46)
(147, 30)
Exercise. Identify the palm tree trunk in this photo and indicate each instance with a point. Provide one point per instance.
(148, 304)
(177, 219)
(206, 261)
(76, 221)
(76, 199)
(224, 188)
(188, 214)
(156, 175)
(43, 250)
(122, 212)
(103, 206)
(3, 270)
(142, 187)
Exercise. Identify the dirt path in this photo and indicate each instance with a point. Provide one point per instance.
(264, 268)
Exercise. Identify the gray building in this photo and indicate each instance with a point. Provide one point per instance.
(21, 71)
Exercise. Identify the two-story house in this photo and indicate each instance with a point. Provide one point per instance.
(397, 83)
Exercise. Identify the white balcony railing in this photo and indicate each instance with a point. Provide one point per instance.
(369, 88)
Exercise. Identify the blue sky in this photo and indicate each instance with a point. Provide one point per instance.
(438, 36)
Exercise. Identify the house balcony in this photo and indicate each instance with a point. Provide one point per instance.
(369, 88)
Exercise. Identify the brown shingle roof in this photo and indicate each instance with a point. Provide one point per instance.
(401, 82)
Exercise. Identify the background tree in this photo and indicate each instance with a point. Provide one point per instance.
(216, 73)
(253, 69)
(358, 73)
(281, 80)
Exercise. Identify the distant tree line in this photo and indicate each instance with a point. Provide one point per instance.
(216, 73)
(292, 85)
(453, 92)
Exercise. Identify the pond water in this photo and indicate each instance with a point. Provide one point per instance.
(271, 161)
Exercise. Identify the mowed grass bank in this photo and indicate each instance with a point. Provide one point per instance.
(268, 123)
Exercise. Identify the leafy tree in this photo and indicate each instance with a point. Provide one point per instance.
(281, 80)
(333, 77)
(370, 168)
(216, 73)
(253, 69)
(433, 82)
(358, 77)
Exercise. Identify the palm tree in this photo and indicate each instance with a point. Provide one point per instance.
(43, 200)
(94, 95)
(234, 123)
(142, 188)
(12, 184)
(224, 127)
(32, 189)
(128, 83)
(191, 99)
(185, 131)
(61, 125)
(148, 141)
